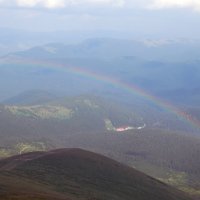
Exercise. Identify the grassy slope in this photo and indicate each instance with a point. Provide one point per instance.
(78, 174)
(18, 188)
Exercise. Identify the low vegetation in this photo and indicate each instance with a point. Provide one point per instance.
(4, 153)
(30, 147)
(43, 112)
(78, 175)
(109, 126)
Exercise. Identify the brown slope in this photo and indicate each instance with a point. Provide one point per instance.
(14, 187)
(80, 174)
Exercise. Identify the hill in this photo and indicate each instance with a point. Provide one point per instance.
(92, 123)
(78, 174)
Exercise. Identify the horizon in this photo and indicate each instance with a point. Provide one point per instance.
(147, 18)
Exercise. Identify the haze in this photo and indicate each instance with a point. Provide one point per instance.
(90, 86)
(114, 18)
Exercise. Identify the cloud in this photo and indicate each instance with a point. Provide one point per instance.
(42, 3)
(134, 4)
(162, 4)
(51, 4)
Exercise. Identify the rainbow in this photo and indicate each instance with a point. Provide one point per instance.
(112, 81)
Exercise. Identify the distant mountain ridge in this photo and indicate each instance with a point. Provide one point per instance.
(158, 67)
(147, 49)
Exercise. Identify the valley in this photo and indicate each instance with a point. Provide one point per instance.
(90, 122)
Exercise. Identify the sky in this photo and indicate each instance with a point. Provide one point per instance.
(159, 18)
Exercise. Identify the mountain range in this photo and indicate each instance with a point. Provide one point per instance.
(162, 68)
(133, 101)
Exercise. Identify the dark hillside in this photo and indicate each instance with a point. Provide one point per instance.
(80, 174)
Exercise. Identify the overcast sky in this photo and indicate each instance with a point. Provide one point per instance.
(164, 18)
